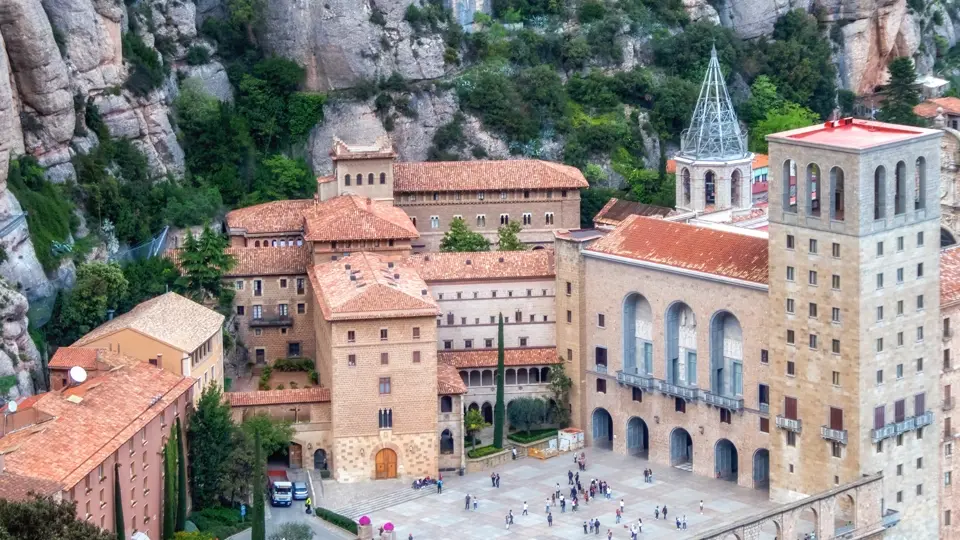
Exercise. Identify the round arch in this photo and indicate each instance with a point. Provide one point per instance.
(637, 330)
(487, 411)
(726, 460)
(736, 187)
(685, 182)
(681, 343)
(808, 523)
(320, 459)
(770, 530)
(726, 354)
(761, 469)
(845, 513)
(446, 442)
(602, 428)
(710, 187)
(681, 449)
(638, 437)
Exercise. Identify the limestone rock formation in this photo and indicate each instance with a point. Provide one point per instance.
(211, 78)
(18, 354)
(146, 122)
(701, 10)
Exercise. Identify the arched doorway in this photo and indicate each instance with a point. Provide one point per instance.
(320, 459)
(808, 524)
(602, 429)
(446, 442)
(770, 530)
(761, 469)
(487, 411)
(638, 438)
(386, 460)
(725, 460)
(681, 449)
(296, 456)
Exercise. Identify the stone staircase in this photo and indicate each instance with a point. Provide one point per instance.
(387, 500)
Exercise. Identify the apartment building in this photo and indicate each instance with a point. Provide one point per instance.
(169, 331)
(74, 442)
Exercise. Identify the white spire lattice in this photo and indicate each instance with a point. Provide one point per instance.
(714, 133)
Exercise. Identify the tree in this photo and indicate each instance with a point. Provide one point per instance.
(41, 518)
(196, 535)
(181, 523)
(274, 435)
(203, 262)
(763, 99)
(788, 116)
(248, 13)
(560, 385)
(498, 409)
(259, 527)
(592, 201)
(147, 278)
(901, 95)
(650, 187)
(461, 238)
(211, 441)
(118, 522)
(526, 412)
(472, 423)
(170, 486)
(508, 239)
(293, 531)
(99, 287)
(280, 178)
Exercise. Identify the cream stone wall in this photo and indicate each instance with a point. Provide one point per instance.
(723, 184)
(274, 339)
(365, 168)
(570, 331)
(452, 421)
(949, 377)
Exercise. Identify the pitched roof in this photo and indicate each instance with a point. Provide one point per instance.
(538, 356)
(112, 408)
(16, 487)
(714, 133)
(711, 251)
(278, 397)
(169, 318)
(760, 161)
(448, 380)
(368, 286)
(271, 217)
(67, 357)
(616, 210)
(485, 175)
(484, 265)
(270, 261)
(950, 276)
(928, 109)
(351, 217)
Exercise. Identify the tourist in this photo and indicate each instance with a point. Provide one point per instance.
(644, 476)
(573, 505)
(584, 527)
(650, 480)
(476, 500)
(513, 452)
(511, 516)
(619, 513)
(563, 505)
(576, 478)
(621, 506)
(550, 520)
(547, 509)
(678, 523)
(596, 526)
(570, 478)
(524, 509)
(609, 534)
(506, 521)
(664, 511)
(684, 522)
(493, 480)
(467, 505)
(701, 506)
(639, 525)
(440, 486)
(557, 491)
(573, 492)
(656, 512)
(498, 481)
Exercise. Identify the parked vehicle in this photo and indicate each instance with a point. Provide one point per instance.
(280, 488)
(300, 491)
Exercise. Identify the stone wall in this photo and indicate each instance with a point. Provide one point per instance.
(274, 341)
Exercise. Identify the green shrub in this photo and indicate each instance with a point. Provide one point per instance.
(148, 70)
(591, 10)
(197, 55)
(305, 110)
(340, 521)
(314, 376)
(264, 383)
(49, 211)
(481, 451)
(6, 383)
(218, 521)
(377, 18)
(535, 435)
(293, 364)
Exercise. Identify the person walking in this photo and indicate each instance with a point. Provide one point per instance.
(439, 486)
(576, 478)
(569, 478)
(622, 504)
(596, 526)
(684, 522)
(609, 534)
(563, 505)
(573, 492)
(525, 509)
(678, 523)
(557, 491)
(467, 505)
(498, 481)
(701, 506)
(476, 500)
(511, 516)
(493, 480)
(547, 509)
(619, 513)
(664, 511)
(513, 452)
(309, 503)
(506, 522)
(656, 512)
(639, 525)
(584, 527)
(651, 476)
(550, 520)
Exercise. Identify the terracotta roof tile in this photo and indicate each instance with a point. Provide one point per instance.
(170, 318)
(278, 397)
(448, 380)
(114, 407)
(67, 357)
(710, 251)
(950, 276)
(271, 217)
(365, 286)
(484, 265)
(616, 210)
(540, 356)
(671, 167)
(928, 109)
(15, 487)
(351, 217)
(270, 261)
(760, 161)
(485, 175)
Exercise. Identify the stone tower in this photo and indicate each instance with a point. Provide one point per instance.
(714, 165)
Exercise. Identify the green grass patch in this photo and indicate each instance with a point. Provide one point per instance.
(49, 211)
(482, 451)
(533, 436)
(340, 521)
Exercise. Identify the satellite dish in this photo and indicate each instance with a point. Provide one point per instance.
(78, 374)
(11, 407)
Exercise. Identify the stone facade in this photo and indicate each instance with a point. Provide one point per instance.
(946, 428)
(704, 185)
(284, 327)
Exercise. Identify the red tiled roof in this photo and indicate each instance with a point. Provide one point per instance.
(689, 247)
(271, 217)
(484, 265)
(950, 276)
(671, 167)
(112, 408)
(539, 356)
(485, 175)
(928, 109)
(270, 261)
(278, 397)
(15, 487)
(67, 357)
(366, 286)
(760, 161)
(616, 210)
(351, 217)
(448, 380)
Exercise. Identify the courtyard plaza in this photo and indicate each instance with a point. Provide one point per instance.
(442, 516)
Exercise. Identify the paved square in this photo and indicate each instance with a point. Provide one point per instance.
(442, 517)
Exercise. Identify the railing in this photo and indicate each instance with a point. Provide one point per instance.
(925, 419)
(890, 518)
(601, 368)
(678, 391)
(839, 435)
(947, 403)
(640, 381)
(279, 320)
(765, 408)
(789, 424)
(880, 434)
(725, 402)
(947, 334)
(903, 426)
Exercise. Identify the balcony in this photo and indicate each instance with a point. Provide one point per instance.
(689, 394)
(903, 426)
(947, 404)
(644, 382)
(271, 322)
(765, 408)
(890, 518)
(947, 334)
(734, 404)
(877, 435)
(838, 435)
(925, 419)
(789, 424)
(601, 368)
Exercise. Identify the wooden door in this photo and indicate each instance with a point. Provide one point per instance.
(386, 464)
(296, 456)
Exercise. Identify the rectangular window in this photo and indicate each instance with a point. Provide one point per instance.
(790, 273)
(790, 337)
(300, 285)
(813, 246)
(384, 385)
(257, 312)
(241, 310)
(879, 416)
(919, 333)
(283, 283)
(899, 276)
(283, 310)
(257, 287)
(919, 238)
(691, 368)
(919, 302)
(352, 360)
(725, 416)
(351, 336)
(812, 310)
(601, 386)
(899, 339)
(813, 277)
(879, 344)
(836, 450)
(636, 395)
(384, 358)
(764, 425)
(301, 308)
(488, 343)
(523, 342)
(790, 241)
(764, 356)
(680, 405)
(879, 249)
(835, 346)
(569, 316)
(836, 378)
(879, 376)
(448, 344)
(601, 356)
(880, 280)
(835, 314)
(899, 410)
(899, 307)
(813, 341)
(790, 306)
(601, 320)
(899, 243)
(791, 441)
(919, 270)
(293, 350)
(385, 418)
(899, 371)
(836, 250)
(791, 368)
(738, 378)
(238, 285)
(835, 282)
(383, 334)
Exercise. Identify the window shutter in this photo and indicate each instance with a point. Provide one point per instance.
(899, 410)
(790, 406)
(836, 418)
(878, 417)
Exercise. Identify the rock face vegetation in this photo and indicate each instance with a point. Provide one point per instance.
(119, 118)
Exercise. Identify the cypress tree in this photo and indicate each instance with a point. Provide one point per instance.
(170, 486)
(118, 505)
(181, 481)
(259, 531)
(499, 410)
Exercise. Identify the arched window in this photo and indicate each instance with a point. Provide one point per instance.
(446, 442)
(900, 189)
(522, 376)
(710, 188)
(370, 179)
(346, 180)
(789, 183)
(836, 192)
(487, 377)
(685, 176)
(510, 376)
(273, 243)
(465, 377)
(920, 184)
(544, 374)
(414, 220)
(383, 178)
(475, 379)
(879, 193)
(813, 190)
(534, 375)
(735, 188)
(446, 404)
(256, 244)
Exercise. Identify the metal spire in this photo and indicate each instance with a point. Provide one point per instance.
(714, 133)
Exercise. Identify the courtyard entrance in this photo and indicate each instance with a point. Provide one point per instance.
(681, 449)
(386, 464)
(761, 469)
(638, 438)
(602, 429)
(725, 460)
